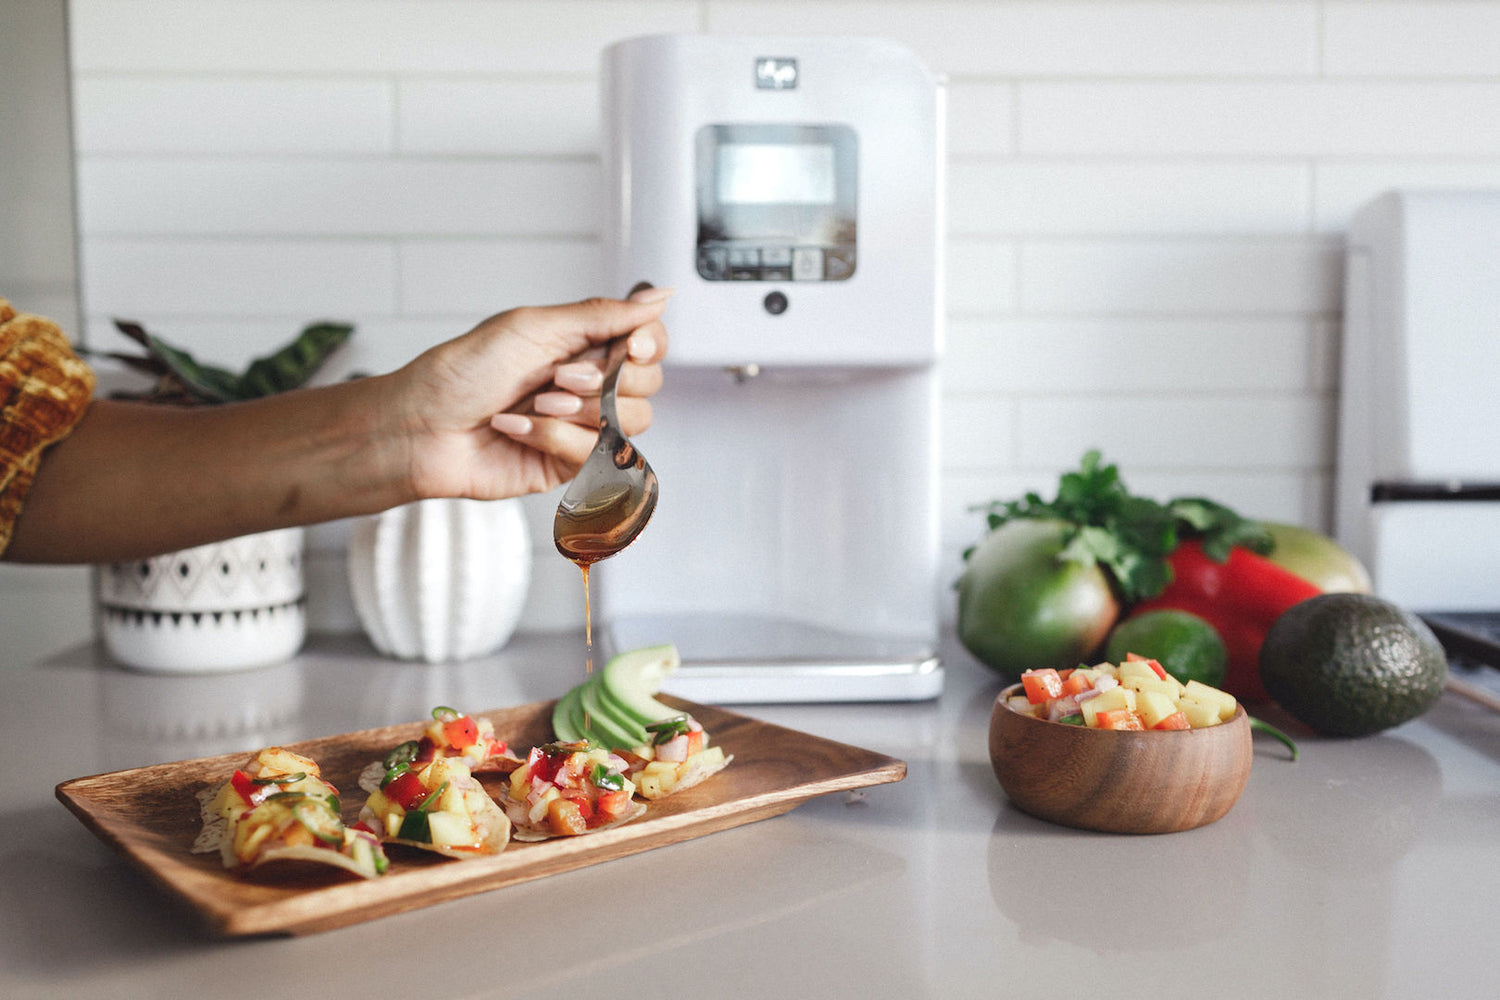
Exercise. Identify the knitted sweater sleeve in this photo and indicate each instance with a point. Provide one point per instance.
(44, 389)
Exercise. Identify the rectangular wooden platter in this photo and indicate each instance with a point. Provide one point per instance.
(150, 815)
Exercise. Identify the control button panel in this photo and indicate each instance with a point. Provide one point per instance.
(735, 262)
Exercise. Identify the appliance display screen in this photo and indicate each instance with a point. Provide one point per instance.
(780, 173)
(777, 202)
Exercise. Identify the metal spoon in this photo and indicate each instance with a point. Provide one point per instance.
(614, 493)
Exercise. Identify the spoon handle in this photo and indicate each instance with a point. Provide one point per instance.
(608, 418)
(618, 351)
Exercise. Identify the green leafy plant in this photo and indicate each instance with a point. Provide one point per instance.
(182, 379)
(1130, 536)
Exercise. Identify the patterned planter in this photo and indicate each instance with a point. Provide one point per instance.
(441, 580)
(223, 606)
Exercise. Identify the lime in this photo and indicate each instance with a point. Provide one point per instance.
(1186, 646)
(1352, 664)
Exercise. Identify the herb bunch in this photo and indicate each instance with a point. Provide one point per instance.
(1129, 536)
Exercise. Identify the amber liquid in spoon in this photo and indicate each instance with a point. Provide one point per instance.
(591, 531)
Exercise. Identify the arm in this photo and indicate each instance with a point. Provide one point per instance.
(134, 479)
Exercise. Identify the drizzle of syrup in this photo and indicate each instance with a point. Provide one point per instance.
(590, 531)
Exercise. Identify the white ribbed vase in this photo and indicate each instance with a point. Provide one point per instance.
(441, 580)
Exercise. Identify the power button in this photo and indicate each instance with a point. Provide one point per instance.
(775, 303)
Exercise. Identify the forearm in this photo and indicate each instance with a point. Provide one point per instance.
(134, 479)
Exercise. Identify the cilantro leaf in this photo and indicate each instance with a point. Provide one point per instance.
(1129, 536)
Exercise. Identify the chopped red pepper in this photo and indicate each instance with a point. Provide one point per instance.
(543, 765)
(1241, 598)
(1119, 718)
(406, 790)
(1041, 685)
(611, 804)
(1075, 684)
(1177, 720)
(248, 790)
(461, 732)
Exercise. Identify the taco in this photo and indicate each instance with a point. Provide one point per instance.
(449, 734)
(278, 808)
(676, 758)
(566, 789)
(438, 806)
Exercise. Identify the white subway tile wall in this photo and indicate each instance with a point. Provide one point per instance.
(1146, 200)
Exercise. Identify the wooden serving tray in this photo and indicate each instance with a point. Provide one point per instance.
(150, 815)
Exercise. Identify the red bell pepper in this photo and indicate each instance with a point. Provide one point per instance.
(1241, 598)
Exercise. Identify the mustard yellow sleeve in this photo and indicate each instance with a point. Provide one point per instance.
(44, 390)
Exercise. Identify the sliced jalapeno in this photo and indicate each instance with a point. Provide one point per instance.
(604, 778)
(403, 754)
(667, 730)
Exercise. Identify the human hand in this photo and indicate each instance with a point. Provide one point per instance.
(512, 407)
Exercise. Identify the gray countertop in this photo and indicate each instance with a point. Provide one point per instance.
(1369, 868)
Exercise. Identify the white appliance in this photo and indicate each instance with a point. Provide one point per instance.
(789, 189)
(1418, 483)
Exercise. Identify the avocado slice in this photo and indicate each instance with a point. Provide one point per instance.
(630, 680)
(606, 724)
(567, 717)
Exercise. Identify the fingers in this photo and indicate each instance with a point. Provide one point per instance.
(577, 384)
(567, 442)
(571, 437)
(596, 321)
(634, 412)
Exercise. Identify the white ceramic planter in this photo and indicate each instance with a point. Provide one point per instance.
(223, 606)
(441, 580)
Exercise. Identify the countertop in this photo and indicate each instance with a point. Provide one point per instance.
(1369, 868)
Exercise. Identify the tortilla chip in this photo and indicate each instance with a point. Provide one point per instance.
(696, 773)
(217, 836)
(527, 832)
(492, 824)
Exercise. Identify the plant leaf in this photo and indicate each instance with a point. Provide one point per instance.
(292, 365)
(211, 383)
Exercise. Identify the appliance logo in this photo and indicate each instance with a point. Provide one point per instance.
(775, 73)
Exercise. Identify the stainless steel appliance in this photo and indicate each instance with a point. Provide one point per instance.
(789, 189)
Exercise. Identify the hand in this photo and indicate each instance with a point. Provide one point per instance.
(512, 407)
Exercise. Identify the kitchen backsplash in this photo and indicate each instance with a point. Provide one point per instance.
(1145, 202)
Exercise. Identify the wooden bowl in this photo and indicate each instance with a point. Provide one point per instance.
(1119, 782)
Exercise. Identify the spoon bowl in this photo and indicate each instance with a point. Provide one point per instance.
(615, 492)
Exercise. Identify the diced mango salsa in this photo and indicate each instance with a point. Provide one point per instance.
(1136, 694)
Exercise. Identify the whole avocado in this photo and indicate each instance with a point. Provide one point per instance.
(1021, 607)
(1352, 664)
(1316, 558)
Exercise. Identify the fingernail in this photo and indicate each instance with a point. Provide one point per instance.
(640, 347)
(577, 377)
(653, 294)
(557, 404)
(511, 423)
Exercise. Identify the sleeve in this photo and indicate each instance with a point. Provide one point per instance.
(44, 390)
